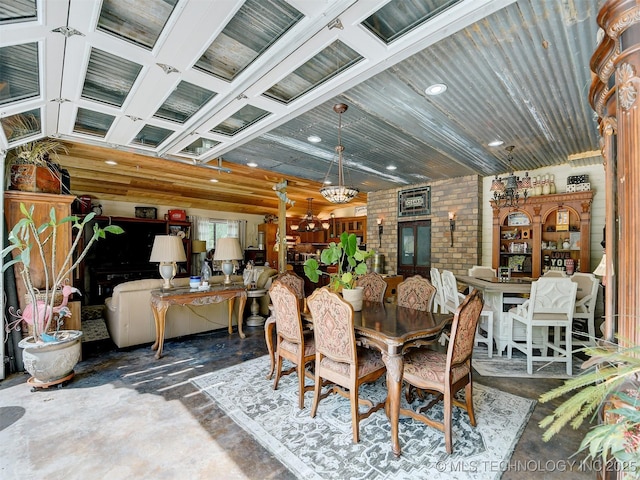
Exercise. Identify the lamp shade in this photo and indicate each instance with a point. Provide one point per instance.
(228, 248)
(198, 246)
(167, 248)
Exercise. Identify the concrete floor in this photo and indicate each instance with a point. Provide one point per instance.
(127, 415)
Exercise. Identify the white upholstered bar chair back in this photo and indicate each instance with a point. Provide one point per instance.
(585, 310)
(551, 304)
(480, 271)
(554, 273)
(438, 299)
(452, 297)
(484, 333)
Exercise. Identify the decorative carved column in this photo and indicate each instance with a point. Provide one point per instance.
(617, 104)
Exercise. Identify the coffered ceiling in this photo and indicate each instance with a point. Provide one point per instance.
(183, 92)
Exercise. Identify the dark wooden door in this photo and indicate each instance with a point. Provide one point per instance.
(414, 248)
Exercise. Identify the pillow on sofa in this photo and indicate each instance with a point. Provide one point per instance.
(264, 276)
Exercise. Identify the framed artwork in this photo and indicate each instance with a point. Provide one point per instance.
(562, 220)
(416, 201)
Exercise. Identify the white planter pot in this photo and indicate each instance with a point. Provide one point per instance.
(354, 297)
(51, 361)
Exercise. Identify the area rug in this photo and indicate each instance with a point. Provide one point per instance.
(322, 447)
(516, 366)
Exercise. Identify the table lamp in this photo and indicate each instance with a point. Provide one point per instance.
(197, 247)
(167, 249)
(227, 249)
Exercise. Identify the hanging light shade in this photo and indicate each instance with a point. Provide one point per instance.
(340, 193)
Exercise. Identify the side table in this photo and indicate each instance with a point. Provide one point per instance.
(255, 319)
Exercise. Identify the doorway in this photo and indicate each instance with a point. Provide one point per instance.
(414, 248)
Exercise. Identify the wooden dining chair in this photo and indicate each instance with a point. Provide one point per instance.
(445, 373)
(551, 304)
(296, 283)
(292, 343)
(338, 359)
(374, 287)
(416, 292)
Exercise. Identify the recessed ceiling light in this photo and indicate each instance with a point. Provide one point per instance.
(252, 164)
(436, 89)
(495, 143)
(314, 139)
(327, 182)
(391, 167)
(110, 162)
(214, 180)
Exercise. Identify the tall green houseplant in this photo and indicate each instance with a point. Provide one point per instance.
(349, 259)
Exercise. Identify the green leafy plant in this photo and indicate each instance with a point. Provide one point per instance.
(611, 378)
(27, 237)
(346, 256)
(36, 152)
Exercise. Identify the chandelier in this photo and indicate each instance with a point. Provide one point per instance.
(510, 191)
(310, 223)
(339, 193)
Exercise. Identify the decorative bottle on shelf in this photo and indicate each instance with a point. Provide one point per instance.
(546, 187)
(205, 273)
(538, 187)
(552, 185)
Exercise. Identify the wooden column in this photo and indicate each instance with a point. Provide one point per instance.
(617, 104)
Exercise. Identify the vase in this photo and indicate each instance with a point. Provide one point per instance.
(354, 297)
(50, 363)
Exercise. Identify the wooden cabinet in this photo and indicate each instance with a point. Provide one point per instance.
(543, 233)
(183, 230)
(357, 225)
(270, 231)
(42, 203)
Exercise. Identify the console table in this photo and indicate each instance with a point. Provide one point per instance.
(161, 300)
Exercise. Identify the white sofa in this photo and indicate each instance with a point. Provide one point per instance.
(130, 319)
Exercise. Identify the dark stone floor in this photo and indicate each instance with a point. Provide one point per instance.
(233, 453)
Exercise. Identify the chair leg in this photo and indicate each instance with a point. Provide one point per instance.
(353, 397)
(529, 349)
(316, 389)
(468, 393)
(569, 351)
(447, 422)
(301, 377)
(269, 326)
(278, 371)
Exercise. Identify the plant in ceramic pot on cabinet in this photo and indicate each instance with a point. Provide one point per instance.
(50, 354)
(31, 166)
(349, 262)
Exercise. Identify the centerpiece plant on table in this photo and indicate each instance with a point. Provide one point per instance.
(43, 312)
(349, 261)
(607, 392)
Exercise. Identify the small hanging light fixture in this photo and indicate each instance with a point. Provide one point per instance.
(510, 191)
(339, 193)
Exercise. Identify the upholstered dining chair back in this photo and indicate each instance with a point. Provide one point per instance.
(446, 373)
(286, 309)
(295, 282)
(338, 359)
(292, 344)
(416, 292)
(585, 308)
(333, 326)
(374, 287)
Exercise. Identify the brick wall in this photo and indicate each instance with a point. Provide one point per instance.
(461, 195)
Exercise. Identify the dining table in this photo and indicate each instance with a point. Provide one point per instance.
(393, 330)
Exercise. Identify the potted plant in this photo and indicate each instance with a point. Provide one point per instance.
(50, 354)
(609, 389)
(31, 165)
(350, 263)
